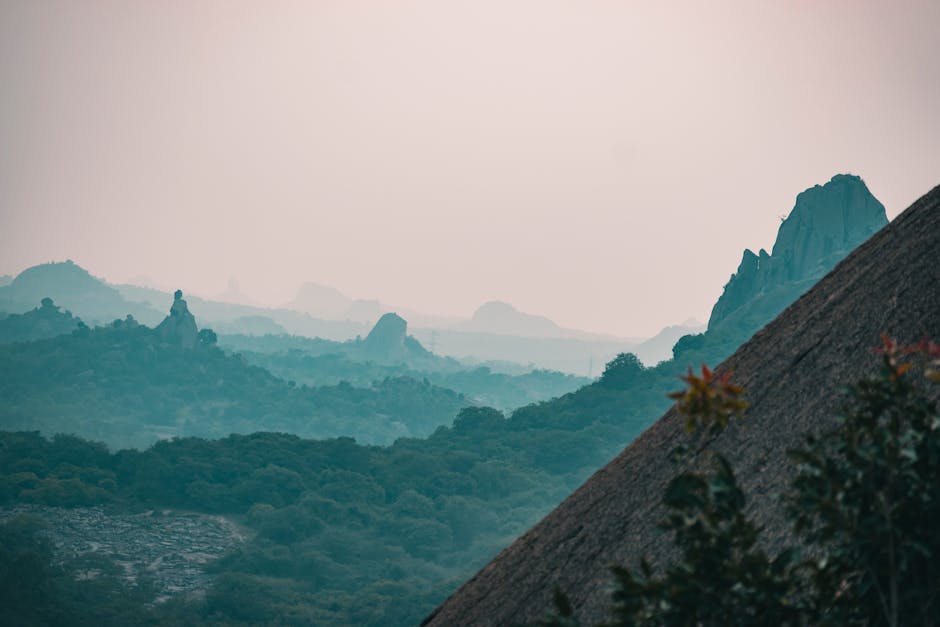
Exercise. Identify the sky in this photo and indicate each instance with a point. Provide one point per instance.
(601, 163)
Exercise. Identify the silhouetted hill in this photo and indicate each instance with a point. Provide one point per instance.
(659, 347)
(250, 325)
(790, 370)
(572, 355)
(72, 288)
(386, 340)
(502, 318)
(47, 320)
(320, 301)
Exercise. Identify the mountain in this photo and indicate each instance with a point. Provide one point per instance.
(233, 294)
(5, 279)
(659, 347)
(73, 288)
(250, 325)
(826, 224)
(98, 302)
(320, 301)
(790, 370)
(387, 341)
(340, 533)
(502, 318)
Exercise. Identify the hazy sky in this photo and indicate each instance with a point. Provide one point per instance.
(602, 163)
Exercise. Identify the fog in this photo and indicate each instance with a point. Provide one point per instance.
(600, 163)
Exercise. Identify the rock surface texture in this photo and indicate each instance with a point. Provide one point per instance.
(791, 369)
(826, 224)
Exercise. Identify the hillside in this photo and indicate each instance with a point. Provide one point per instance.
(74, 289)
(45, 321)
(344, 533)
(790, 368)
(130, 385)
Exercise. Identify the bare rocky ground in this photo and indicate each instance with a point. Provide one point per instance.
(168, 548)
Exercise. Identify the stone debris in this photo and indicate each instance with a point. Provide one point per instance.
(169, 548)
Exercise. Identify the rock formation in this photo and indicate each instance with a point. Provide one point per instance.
(180, 326)
(825, 225)
(386, 340)
(791, 370)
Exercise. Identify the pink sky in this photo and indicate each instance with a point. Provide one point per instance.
(602, 163)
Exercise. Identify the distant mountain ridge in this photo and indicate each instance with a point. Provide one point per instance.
(659, 347)
(826, 222)
(500, 317)
(131, 385)
(73, 288)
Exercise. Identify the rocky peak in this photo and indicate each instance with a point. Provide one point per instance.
(386, 340)
(826, 224)
(180, 326)
(827, 220)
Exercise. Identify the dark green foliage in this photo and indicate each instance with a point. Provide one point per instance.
(865, 502)
(38, 590)
(721, 577)
(344, 533)
(867, 496)
(688, 343)
(122, 384)
(622, 372)
(43, 322)
(207, 337)
(355, 534)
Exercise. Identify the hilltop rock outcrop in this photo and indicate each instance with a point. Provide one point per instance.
(826, 224)
(386, 340)
(45, 321)
(180, 326)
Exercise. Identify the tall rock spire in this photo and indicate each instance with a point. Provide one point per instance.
(180, 326)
